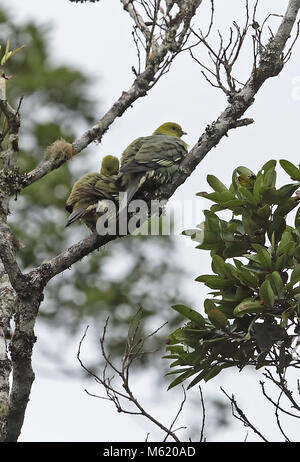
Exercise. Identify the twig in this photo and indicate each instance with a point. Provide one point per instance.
(239, 414)
(178, 414)
(202, 439)
(113, 393)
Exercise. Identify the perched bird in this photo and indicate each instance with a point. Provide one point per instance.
(83, 202)
(151, 161)
(243, 177)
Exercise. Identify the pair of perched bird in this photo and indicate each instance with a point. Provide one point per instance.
(146, 164)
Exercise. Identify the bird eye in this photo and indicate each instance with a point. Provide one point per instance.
(173, 128)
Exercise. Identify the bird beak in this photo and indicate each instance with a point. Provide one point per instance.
(183, 133)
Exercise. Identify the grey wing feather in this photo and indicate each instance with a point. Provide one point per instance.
(156, 151)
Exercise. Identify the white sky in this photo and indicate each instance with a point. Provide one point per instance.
(97, 38)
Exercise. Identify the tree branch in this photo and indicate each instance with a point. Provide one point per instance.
(112, 392)
(8, 258)
(170, 43)
(270, 65)
(240, 415)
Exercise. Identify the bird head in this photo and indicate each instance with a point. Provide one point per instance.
(171, 129)
(110, 166)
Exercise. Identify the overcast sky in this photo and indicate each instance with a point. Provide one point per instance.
(97, 39)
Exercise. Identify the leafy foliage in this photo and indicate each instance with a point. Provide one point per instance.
(254, 306)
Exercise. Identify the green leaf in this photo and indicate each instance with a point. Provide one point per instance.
(286, 207)
(247, 278)
(216, 184)
(196, 234)
(188, 313)
(270, 177)
(226, 307)
(218, 265)
(249, 224)
(235, 205)
(196, 379)
(237, 249)
(295, 276)
(215, 197)
(212, 221)
(270, 164)
(280, 263)
(287, 249)
(214, 282)
(290, 169)
(266, 294)
(276, 283)
(213, 372)
(258, 187)
(175, 349)
(285, 192)
(264, 212)
(211, 241)
(270, 196)
(263, 336)
(248, 196)
(265, 259)
(248, 306)
(276, 227)
(235, 226)
(222, 269)
(188, 373)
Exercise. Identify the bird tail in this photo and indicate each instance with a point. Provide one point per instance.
(75, 216)
(133, 187)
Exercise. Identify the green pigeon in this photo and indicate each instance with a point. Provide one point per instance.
(243, 177)
(84, 201)
(151, 161)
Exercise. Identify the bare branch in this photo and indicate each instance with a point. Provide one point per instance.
(202, 438)
(112, 392)
(282, 385)
(276, 404)
(240, 415)
(178, 414)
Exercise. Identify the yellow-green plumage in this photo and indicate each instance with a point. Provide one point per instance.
(83, 202)
(151, 161)
(243, 177)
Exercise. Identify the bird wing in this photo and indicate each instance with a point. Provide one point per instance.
(131, 151)
(75, 216)
(104, 188)
(76, 192)
(156, 151)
